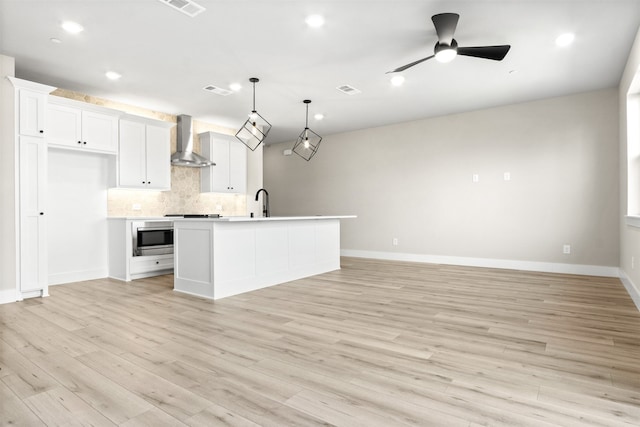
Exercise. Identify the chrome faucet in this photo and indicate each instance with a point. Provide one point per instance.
(265, 202)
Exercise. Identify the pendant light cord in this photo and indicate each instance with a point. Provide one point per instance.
(254, 96)
(306, 123)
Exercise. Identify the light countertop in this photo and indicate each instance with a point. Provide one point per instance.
(271, 218)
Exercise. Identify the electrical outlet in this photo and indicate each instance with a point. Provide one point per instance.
(136, 207)
(566, 249)
(395, 241)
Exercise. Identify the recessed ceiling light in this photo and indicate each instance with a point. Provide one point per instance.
(112, 75)
(397, 80)
(55, 40)
(565, 39)
(318, 116)
(315, 21)
(235, 87)
(72, 27)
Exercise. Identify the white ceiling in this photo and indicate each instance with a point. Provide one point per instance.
(166, 58)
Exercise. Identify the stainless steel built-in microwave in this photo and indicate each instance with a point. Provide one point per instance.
(152, 237)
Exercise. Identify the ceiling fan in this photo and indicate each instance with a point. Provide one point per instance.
(447, 48)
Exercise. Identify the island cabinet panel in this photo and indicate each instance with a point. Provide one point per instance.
(218, 258)
(193, 248)
(235, 247)
(271, 240)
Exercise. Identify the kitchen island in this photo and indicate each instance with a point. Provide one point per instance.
(220, 257)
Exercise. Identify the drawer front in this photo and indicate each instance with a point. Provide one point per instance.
(149, 264)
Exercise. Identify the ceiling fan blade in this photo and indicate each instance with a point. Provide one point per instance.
(445, 24)
(404, 67)
(497, 53)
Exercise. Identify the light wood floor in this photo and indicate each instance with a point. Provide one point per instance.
(374, 344)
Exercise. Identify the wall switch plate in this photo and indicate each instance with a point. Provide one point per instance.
(475, 177)
(566, 249)
(395, 241)
(287, 152)
(136, 207)
(507, 176)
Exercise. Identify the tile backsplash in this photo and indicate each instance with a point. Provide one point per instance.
(185, 196)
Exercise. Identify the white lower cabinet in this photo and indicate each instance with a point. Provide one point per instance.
(149, 264)
(33, 234)
(229, 175)
(122, 264)
(144, 161)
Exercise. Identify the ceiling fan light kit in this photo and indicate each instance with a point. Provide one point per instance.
(256, 128)
(446, 49)
(308, 141)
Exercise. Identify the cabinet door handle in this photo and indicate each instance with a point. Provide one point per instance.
(85, 142)
(157, 262)
(41, 131)
(144, 182)
(41, 213)
(79, 142)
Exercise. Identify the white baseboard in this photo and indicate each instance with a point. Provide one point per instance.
(547, 267)
(8, 296)
(632, 288)
(77, 276)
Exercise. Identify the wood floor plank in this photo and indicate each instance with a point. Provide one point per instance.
(22, 376)
(14, 412)
(170, 397)
(59, 406)
(110, 399)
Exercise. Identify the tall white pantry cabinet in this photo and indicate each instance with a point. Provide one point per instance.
(31, 182)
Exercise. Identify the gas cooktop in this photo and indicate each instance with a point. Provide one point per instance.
(194, 215)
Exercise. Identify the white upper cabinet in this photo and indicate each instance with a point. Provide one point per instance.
(144, 161)
(229, 175)
(78, 125)
(32, 113)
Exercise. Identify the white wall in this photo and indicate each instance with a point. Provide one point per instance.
(8, 268)
(77, 211)
(413, 181)
(629, 235)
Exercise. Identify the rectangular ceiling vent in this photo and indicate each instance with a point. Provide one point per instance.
(188, 7)
(349, 90)
(217, 90)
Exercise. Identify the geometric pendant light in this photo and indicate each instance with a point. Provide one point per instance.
(308, 142)
(256, 128)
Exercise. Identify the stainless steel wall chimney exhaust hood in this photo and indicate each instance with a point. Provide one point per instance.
(184, 155)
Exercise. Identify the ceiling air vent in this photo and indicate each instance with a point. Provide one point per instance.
(188, 7)
(217, 90)
(349, 90)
